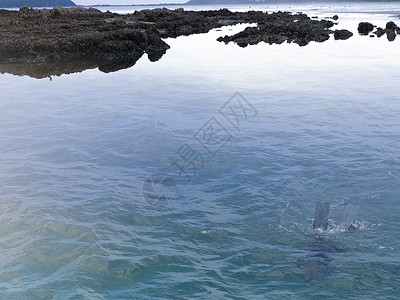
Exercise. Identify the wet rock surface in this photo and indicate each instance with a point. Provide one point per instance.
(391, 30)
(48, 42)
(61, 34)
(391, 25)
(365, 28)
(379, 32)
(110, 41)
(342, 34)
(283, 27)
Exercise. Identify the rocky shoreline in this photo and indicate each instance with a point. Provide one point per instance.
(60, 40)
(391, 30)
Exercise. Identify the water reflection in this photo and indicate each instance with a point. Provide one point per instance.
(41, 70)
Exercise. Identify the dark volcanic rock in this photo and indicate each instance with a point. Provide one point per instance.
(61, 36)
(391, 25)
(342, 34)
(57, 41)
(391, 30)
(335, 17)
(365, 28)
(391, 35)
(79, 38)
(282, 26)
(380, 31)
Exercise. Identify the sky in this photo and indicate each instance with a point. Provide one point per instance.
(125, 2)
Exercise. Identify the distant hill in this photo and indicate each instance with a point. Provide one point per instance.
(201, 2)
(35, 3)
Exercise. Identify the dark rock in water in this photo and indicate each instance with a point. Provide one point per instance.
(109, 41)
(379, 32)
(342, 34)
(156, 47)
(319, 263)
(96, 39)
(391, 35)
(283, 26)
(314, 268)
(391, 25)
(335, 17)
(365, 28)
(398, 30)
(371, 35)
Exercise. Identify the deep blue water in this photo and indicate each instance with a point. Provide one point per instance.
(322, 123)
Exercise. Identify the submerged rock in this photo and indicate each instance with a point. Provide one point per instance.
(365, 28)
(319, 262)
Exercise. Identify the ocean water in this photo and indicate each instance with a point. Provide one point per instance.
(263, 133)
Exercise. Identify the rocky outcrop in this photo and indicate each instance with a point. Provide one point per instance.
(64, 40)
(283, 26)
(365, 28)
(391, 30)
(342, 34)
(379, 32)
(391, 25)
(61, 34)
(88, 38)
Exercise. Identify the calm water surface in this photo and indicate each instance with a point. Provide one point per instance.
(75, 152)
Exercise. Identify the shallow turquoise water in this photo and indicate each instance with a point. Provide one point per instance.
(75, 152)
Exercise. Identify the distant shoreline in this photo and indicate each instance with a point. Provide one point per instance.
(245, 2)
(259, 5)
(252, 4)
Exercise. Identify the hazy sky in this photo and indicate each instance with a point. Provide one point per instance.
(124, 2)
